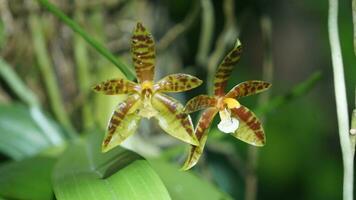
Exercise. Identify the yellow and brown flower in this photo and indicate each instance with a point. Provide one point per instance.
(235, 118)
(146, 98)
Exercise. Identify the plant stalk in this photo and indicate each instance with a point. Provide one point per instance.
(341, 101)
(82, 63)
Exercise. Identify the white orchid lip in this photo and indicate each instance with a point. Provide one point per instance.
(227, 124)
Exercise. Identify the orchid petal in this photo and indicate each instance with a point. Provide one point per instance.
(123, 123)
(199, 102)
(201, 132)
(143, 53)
(225, 68)
(177, 83)
(116, 86)
(250, 129)
(248, 88)
(172, 119)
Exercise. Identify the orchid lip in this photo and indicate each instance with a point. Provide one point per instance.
(227, 124)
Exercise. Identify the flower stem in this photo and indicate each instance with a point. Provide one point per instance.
(341, 101)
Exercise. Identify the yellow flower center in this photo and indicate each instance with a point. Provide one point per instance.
(146, 85)
(231, 103)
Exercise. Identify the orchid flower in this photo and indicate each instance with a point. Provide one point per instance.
(236, 119)
(146, 98)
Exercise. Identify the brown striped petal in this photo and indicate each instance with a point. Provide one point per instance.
(201, 132)
(225, 68)
(250, 129)
(143, 53)
(116, 86)
(123, 123)
(177, 83)
(199, 102)
(172, 119)
(248, 88)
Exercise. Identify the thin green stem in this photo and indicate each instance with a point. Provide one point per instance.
(127, 71)
(353, 129)
(341, 101)
(46, 69)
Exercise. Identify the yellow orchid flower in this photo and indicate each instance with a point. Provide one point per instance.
(236, 119)
(146, 98)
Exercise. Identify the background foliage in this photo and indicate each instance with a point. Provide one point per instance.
(50, 118)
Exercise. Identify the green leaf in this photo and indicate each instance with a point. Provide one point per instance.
(83, 172)
(27, 179)
(76, 28)
(16, 84)
(25, 132)
(183, 185)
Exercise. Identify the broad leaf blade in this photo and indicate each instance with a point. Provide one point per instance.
(27, 179)
(185, 185)
(84, 172)
(20, 135)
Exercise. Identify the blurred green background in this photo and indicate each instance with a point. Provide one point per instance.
(302, 158)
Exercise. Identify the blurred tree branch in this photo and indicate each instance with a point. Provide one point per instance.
(206, 32)
(179, 28)
(347, 147)
(225, 39)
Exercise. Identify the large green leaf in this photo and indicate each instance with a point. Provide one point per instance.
(83, 172)
(25, 132)
(27, 179)
(185, 185)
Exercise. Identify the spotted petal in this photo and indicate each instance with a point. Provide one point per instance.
(172, 119)
(248, 88)
(225, 68)
(250, 129)
(123, 123)
(143, 53)
(116, 86)
(201, 132)
(177, 83)
(198, 103)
